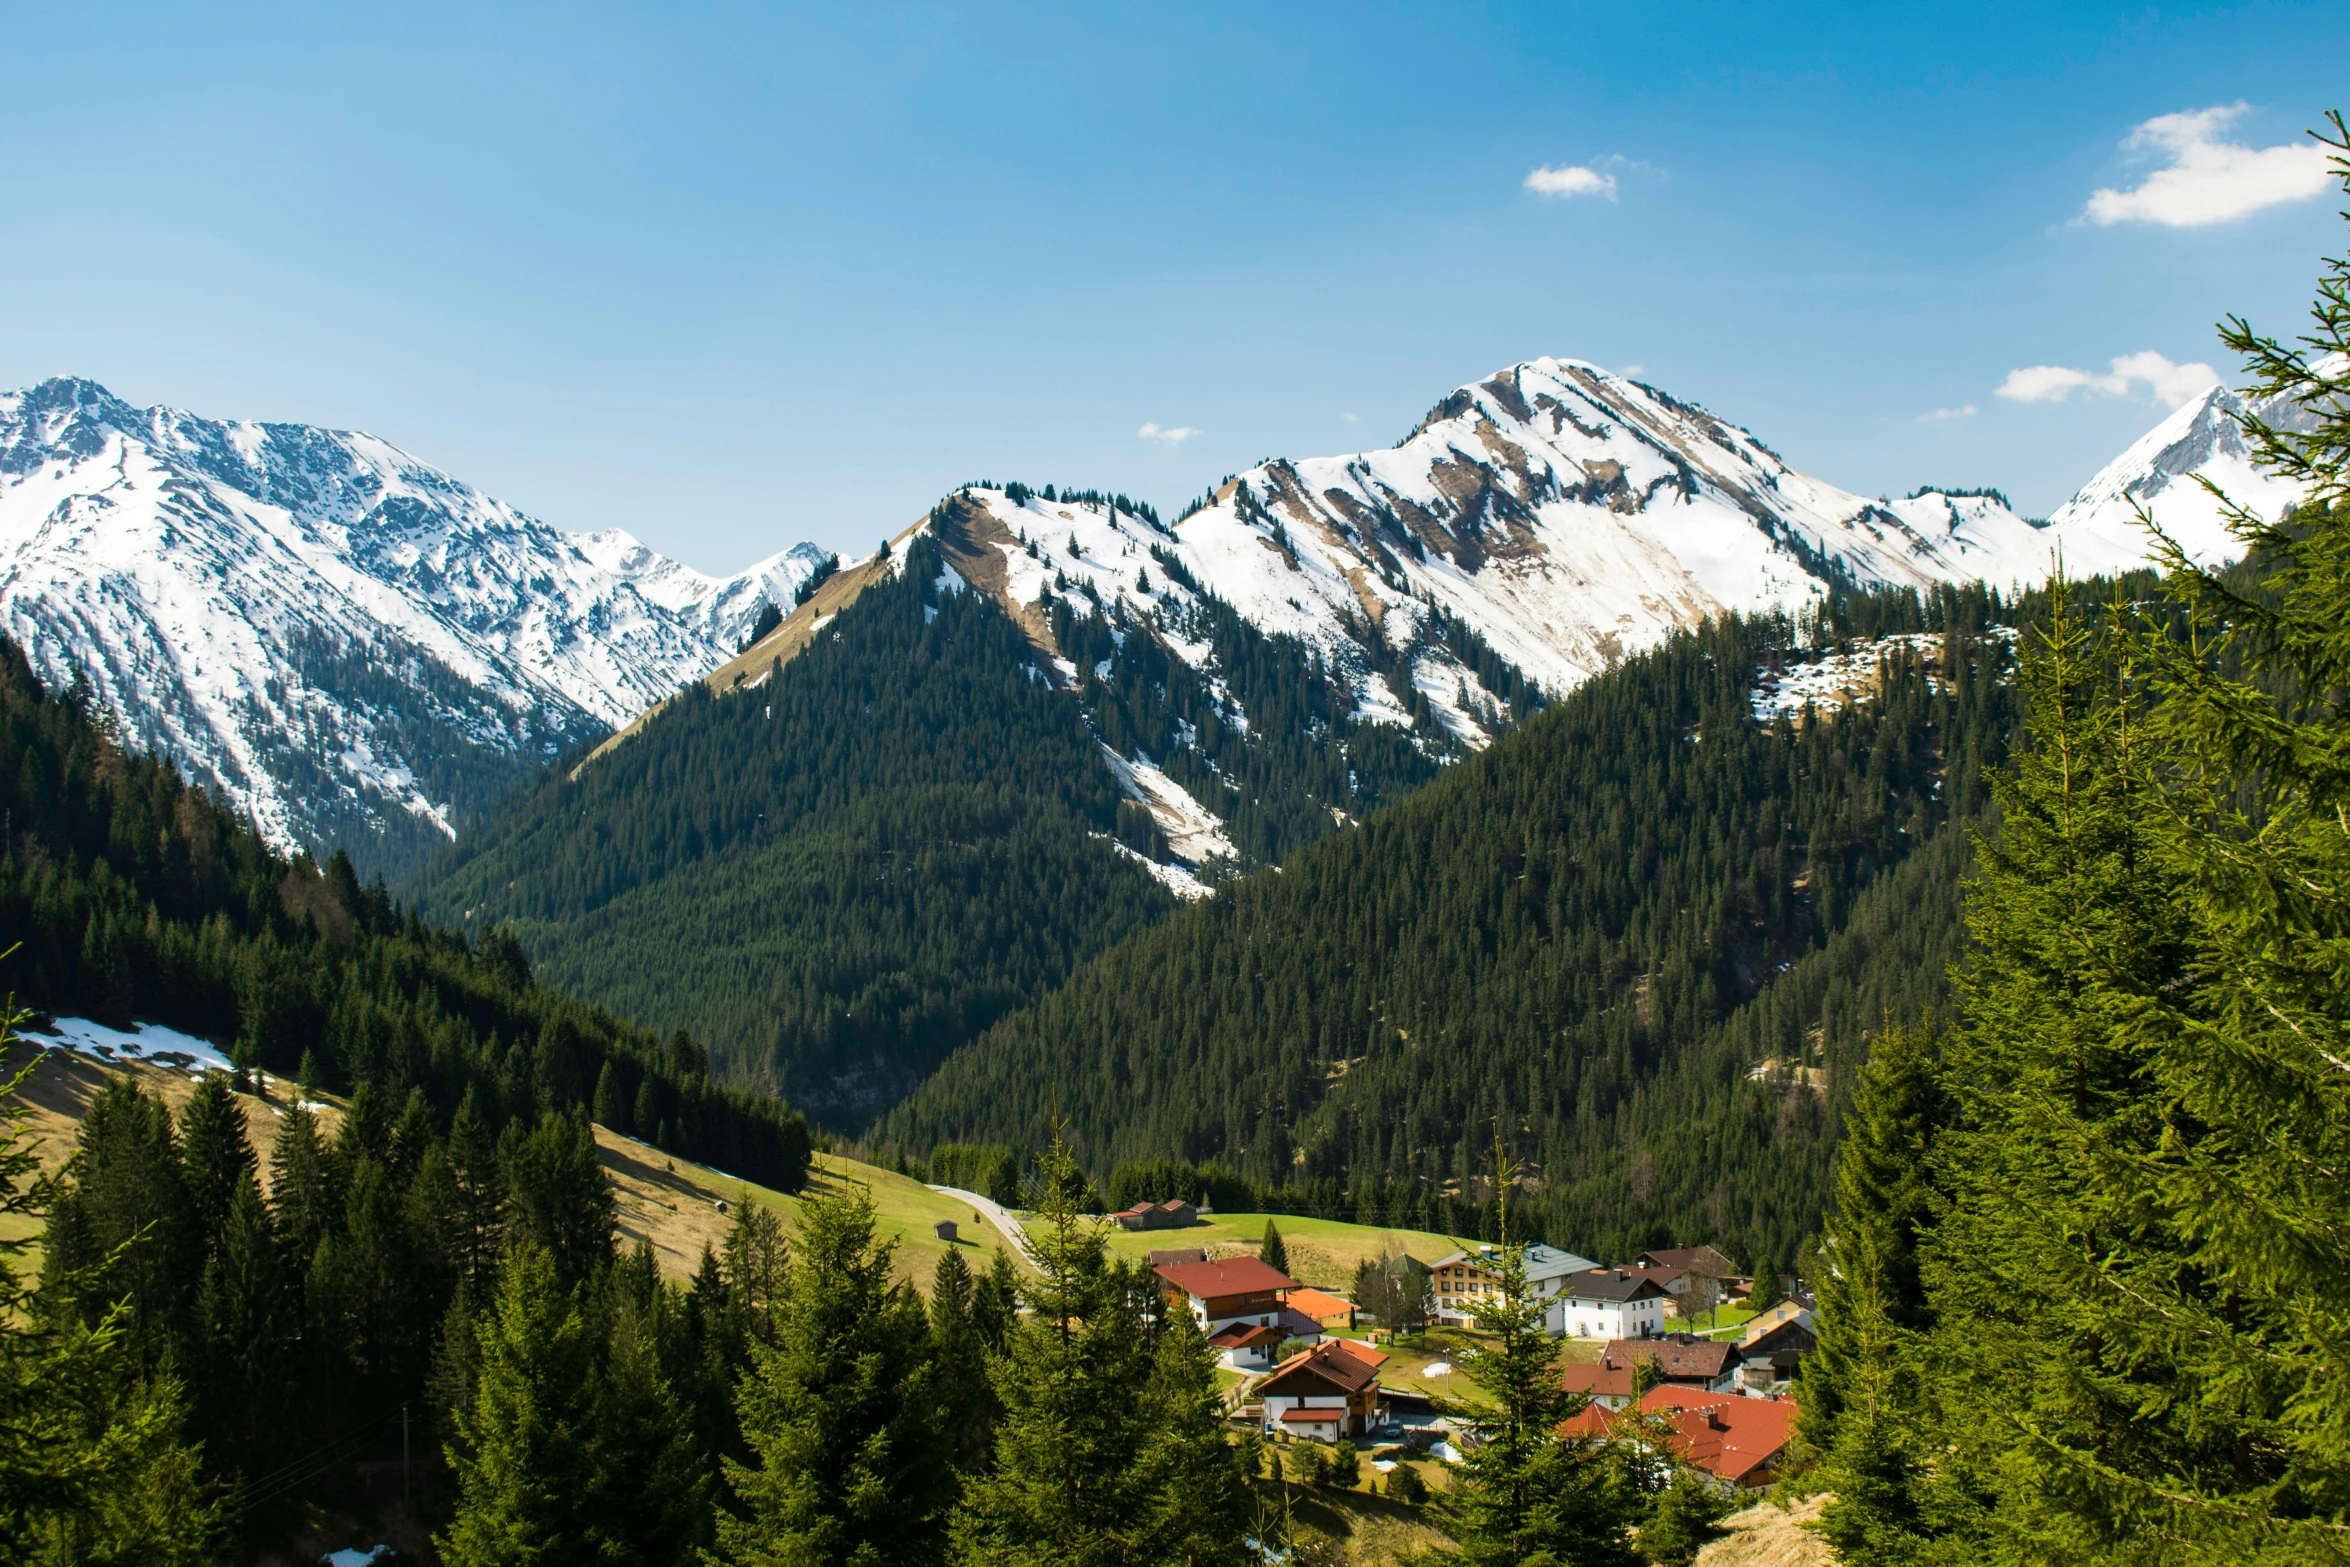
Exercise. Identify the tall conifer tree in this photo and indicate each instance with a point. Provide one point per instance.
(851, 1453)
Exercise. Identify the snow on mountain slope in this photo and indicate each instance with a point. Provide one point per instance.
(1554, 517)
(1570, 516)
(2099, 526)
(345, 641)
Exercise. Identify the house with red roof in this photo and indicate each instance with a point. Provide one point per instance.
(1325, 1393)
(1229, 1290)
(1740, 1442)
(1247, 1346)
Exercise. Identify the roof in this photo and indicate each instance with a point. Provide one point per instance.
(1374, 1358)
(1242, 1335)
(1616, 1284)
(1298, 1325)
(1313, 1417)
(1663, 1276)
(1319, 1303)
(1785, 1312)
(1231, 1276)
(1681, 1357)
(1722, 1433)
(1542, 1262)
(1696, 1259)
(1159, 1259)
(1337, 1362)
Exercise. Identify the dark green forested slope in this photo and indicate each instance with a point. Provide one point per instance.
(129, 895)
(1589, 934)
(838, 877)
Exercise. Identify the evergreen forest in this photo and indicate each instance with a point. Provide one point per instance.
(1647, 934)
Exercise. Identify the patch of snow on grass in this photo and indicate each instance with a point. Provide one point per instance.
(150, 1042)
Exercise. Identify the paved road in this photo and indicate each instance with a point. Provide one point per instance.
(999, 1215)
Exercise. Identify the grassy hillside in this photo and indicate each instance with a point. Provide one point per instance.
(669, 1201)
(674, 1204)
(1322, 1252)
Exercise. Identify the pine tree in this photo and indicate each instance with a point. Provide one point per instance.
(1272, 1250)
(995, 1301)
(476, 1232)
(1682, 1517)
(1192, 1483)
(960, 1355)
(611, 1104)
(522, 1455)
(215, 1154)
(300, 1203)
(851, 1456)
(93, 1468)
(558, 1199)
(246, 1318)
(1086, 1474)
(1861, 1384)
(122, 1231)
(651, 1502)
(1528, 1495)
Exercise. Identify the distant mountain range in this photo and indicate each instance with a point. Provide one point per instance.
(348, 644)
(358, 649)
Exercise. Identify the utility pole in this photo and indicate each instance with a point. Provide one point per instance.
(403, 1455)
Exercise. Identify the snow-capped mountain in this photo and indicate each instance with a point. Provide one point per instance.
(1540, 524)
(345, 641)
(2099, 526)
(1563, 514)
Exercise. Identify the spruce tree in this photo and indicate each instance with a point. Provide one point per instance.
(522, 1456)
(215, 1155)
(1086, 1473)
(246, 1321)
(1861, 1384)
(1272, 1250)
(1527, 1495)
(557, 1197)
(651, 1502)
(851, 1458)
(960, 1355)
(93, 1466)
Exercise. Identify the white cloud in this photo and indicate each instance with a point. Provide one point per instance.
(1571, 180)
(1628, 371)
(1966, 412)
(1349, 418)
(2209, 180)
(1174, 437)
(2165, 382)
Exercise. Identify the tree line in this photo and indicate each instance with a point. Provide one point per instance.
(1596, 932)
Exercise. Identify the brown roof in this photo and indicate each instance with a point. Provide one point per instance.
(1707, 1260)
(1240, 1335)
(1338, 1366)
(1160, 1259)
(1232, 1276)
(1313, 1417)
(1374, 1358)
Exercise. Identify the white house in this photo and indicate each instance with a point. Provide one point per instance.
(1610, 1303)
(1463, 1281)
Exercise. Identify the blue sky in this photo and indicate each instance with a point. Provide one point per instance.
(736, 277)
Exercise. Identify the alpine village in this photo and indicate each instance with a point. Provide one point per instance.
(1556, 993)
